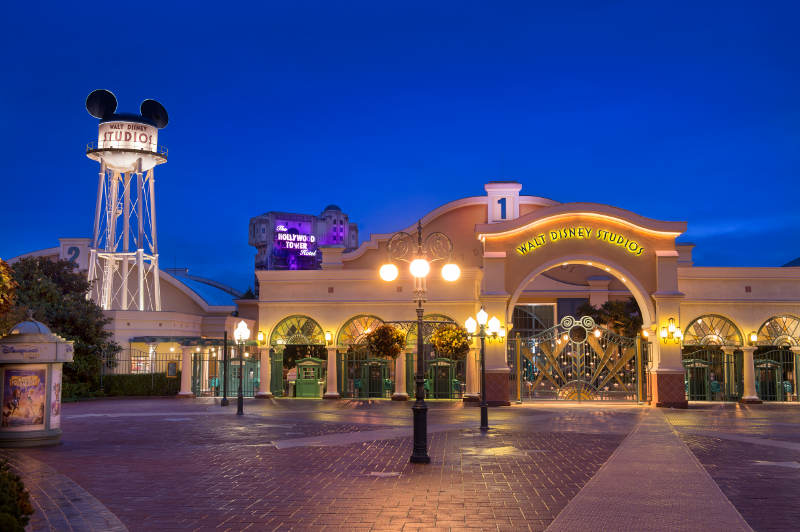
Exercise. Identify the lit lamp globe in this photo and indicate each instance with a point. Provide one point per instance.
(388, 272)
(483, 317)
(494, 325)
(420, 268)
(451, 272)
(242, 332)
(471, 325)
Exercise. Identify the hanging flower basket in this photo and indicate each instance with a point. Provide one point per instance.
(386, 340)
(451, 341)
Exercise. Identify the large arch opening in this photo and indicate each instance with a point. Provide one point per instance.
(777, 359)
(576, 325)
(298, 354)
(712, 359)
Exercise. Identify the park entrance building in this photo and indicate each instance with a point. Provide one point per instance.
(703, 333)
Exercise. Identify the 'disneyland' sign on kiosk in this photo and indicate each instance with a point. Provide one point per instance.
(31, 360)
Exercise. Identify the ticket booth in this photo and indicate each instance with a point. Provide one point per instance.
(309, 381)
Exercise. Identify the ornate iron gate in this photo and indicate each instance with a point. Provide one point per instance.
(777, 374)
(712, 374)
(580, 361)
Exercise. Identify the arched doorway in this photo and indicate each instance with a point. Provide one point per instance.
(444, 377)
(712, 360)
(361, 374)
(293, 339)
(777, 359)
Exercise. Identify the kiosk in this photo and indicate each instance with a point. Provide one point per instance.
(31, 360)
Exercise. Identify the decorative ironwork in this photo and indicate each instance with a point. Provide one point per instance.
(779, 331)
(429, 324)
(710, 374)
(712, 329)
(297, 330)
(578, 360)
(407, 247)
(777, 374)
(356, 329)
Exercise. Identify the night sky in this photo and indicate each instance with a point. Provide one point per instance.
(390, 109)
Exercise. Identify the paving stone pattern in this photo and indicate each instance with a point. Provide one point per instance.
(767, 495)
(211, 471)
(59, 503)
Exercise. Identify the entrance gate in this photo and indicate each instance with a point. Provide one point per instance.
(363, 376)
(777, 375)
(577, 360)
(712, 375)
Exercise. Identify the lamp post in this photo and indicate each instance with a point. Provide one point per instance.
(224, 401)
(494, 332)
(419, 253)
(241, 334)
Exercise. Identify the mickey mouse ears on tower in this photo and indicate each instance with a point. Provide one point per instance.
(102, 104)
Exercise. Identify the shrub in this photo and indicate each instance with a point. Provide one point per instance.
(141, 384)
(15, 502)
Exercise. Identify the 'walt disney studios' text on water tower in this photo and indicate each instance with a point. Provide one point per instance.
(123, 256)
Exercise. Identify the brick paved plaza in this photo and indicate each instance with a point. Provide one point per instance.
(167, 464)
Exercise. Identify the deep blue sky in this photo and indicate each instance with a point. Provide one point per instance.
(390, 109)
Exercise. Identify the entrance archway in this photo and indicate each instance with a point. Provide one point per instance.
(638, 251)
(634, 286)
(295, 338)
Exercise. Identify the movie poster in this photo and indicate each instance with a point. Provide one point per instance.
(24, 398)
(55, 398)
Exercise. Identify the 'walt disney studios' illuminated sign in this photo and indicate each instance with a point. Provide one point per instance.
(581, 232)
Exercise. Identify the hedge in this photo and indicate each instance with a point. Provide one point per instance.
(141, 384)
(15, 502)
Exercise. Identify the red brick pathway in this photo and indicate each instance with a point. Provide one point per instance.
(193, 466)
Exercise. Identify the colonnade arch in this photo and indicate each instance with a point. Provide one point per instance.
(780, 331)
(712, 329)
(297, 329)
(354, 330)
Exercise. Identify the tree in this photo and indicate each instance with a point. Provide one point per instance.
(451, 341)
(621, 316)
(8, 289)
(56, 295)
(386, 340)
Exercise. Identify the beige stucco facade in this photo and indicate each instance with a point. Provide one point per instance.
(505, 262)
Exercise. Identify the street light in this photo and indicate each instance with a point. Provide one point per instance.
(420, 254)
(495, 331)
(241, 334)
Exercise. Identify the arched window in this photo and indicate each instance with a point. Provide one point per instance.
(712, 329)
(427, 330)
(297, 330)
(355, 330)
(780, 331)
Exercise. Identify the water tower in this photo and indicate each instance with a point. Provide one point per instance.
(123, 255)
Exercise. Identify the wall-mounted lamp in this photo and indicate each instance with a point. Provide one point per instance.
(261, 337)
(672, 332)
(753, 337)
(328, 337)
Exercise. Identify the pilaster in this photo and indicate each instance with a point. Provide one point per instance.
(749, 395)
(332, 380)
(264, 374)
(186, 373)
(400, 393)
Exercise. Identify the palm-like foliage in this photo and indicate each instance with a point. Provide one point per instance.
(621, 316)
